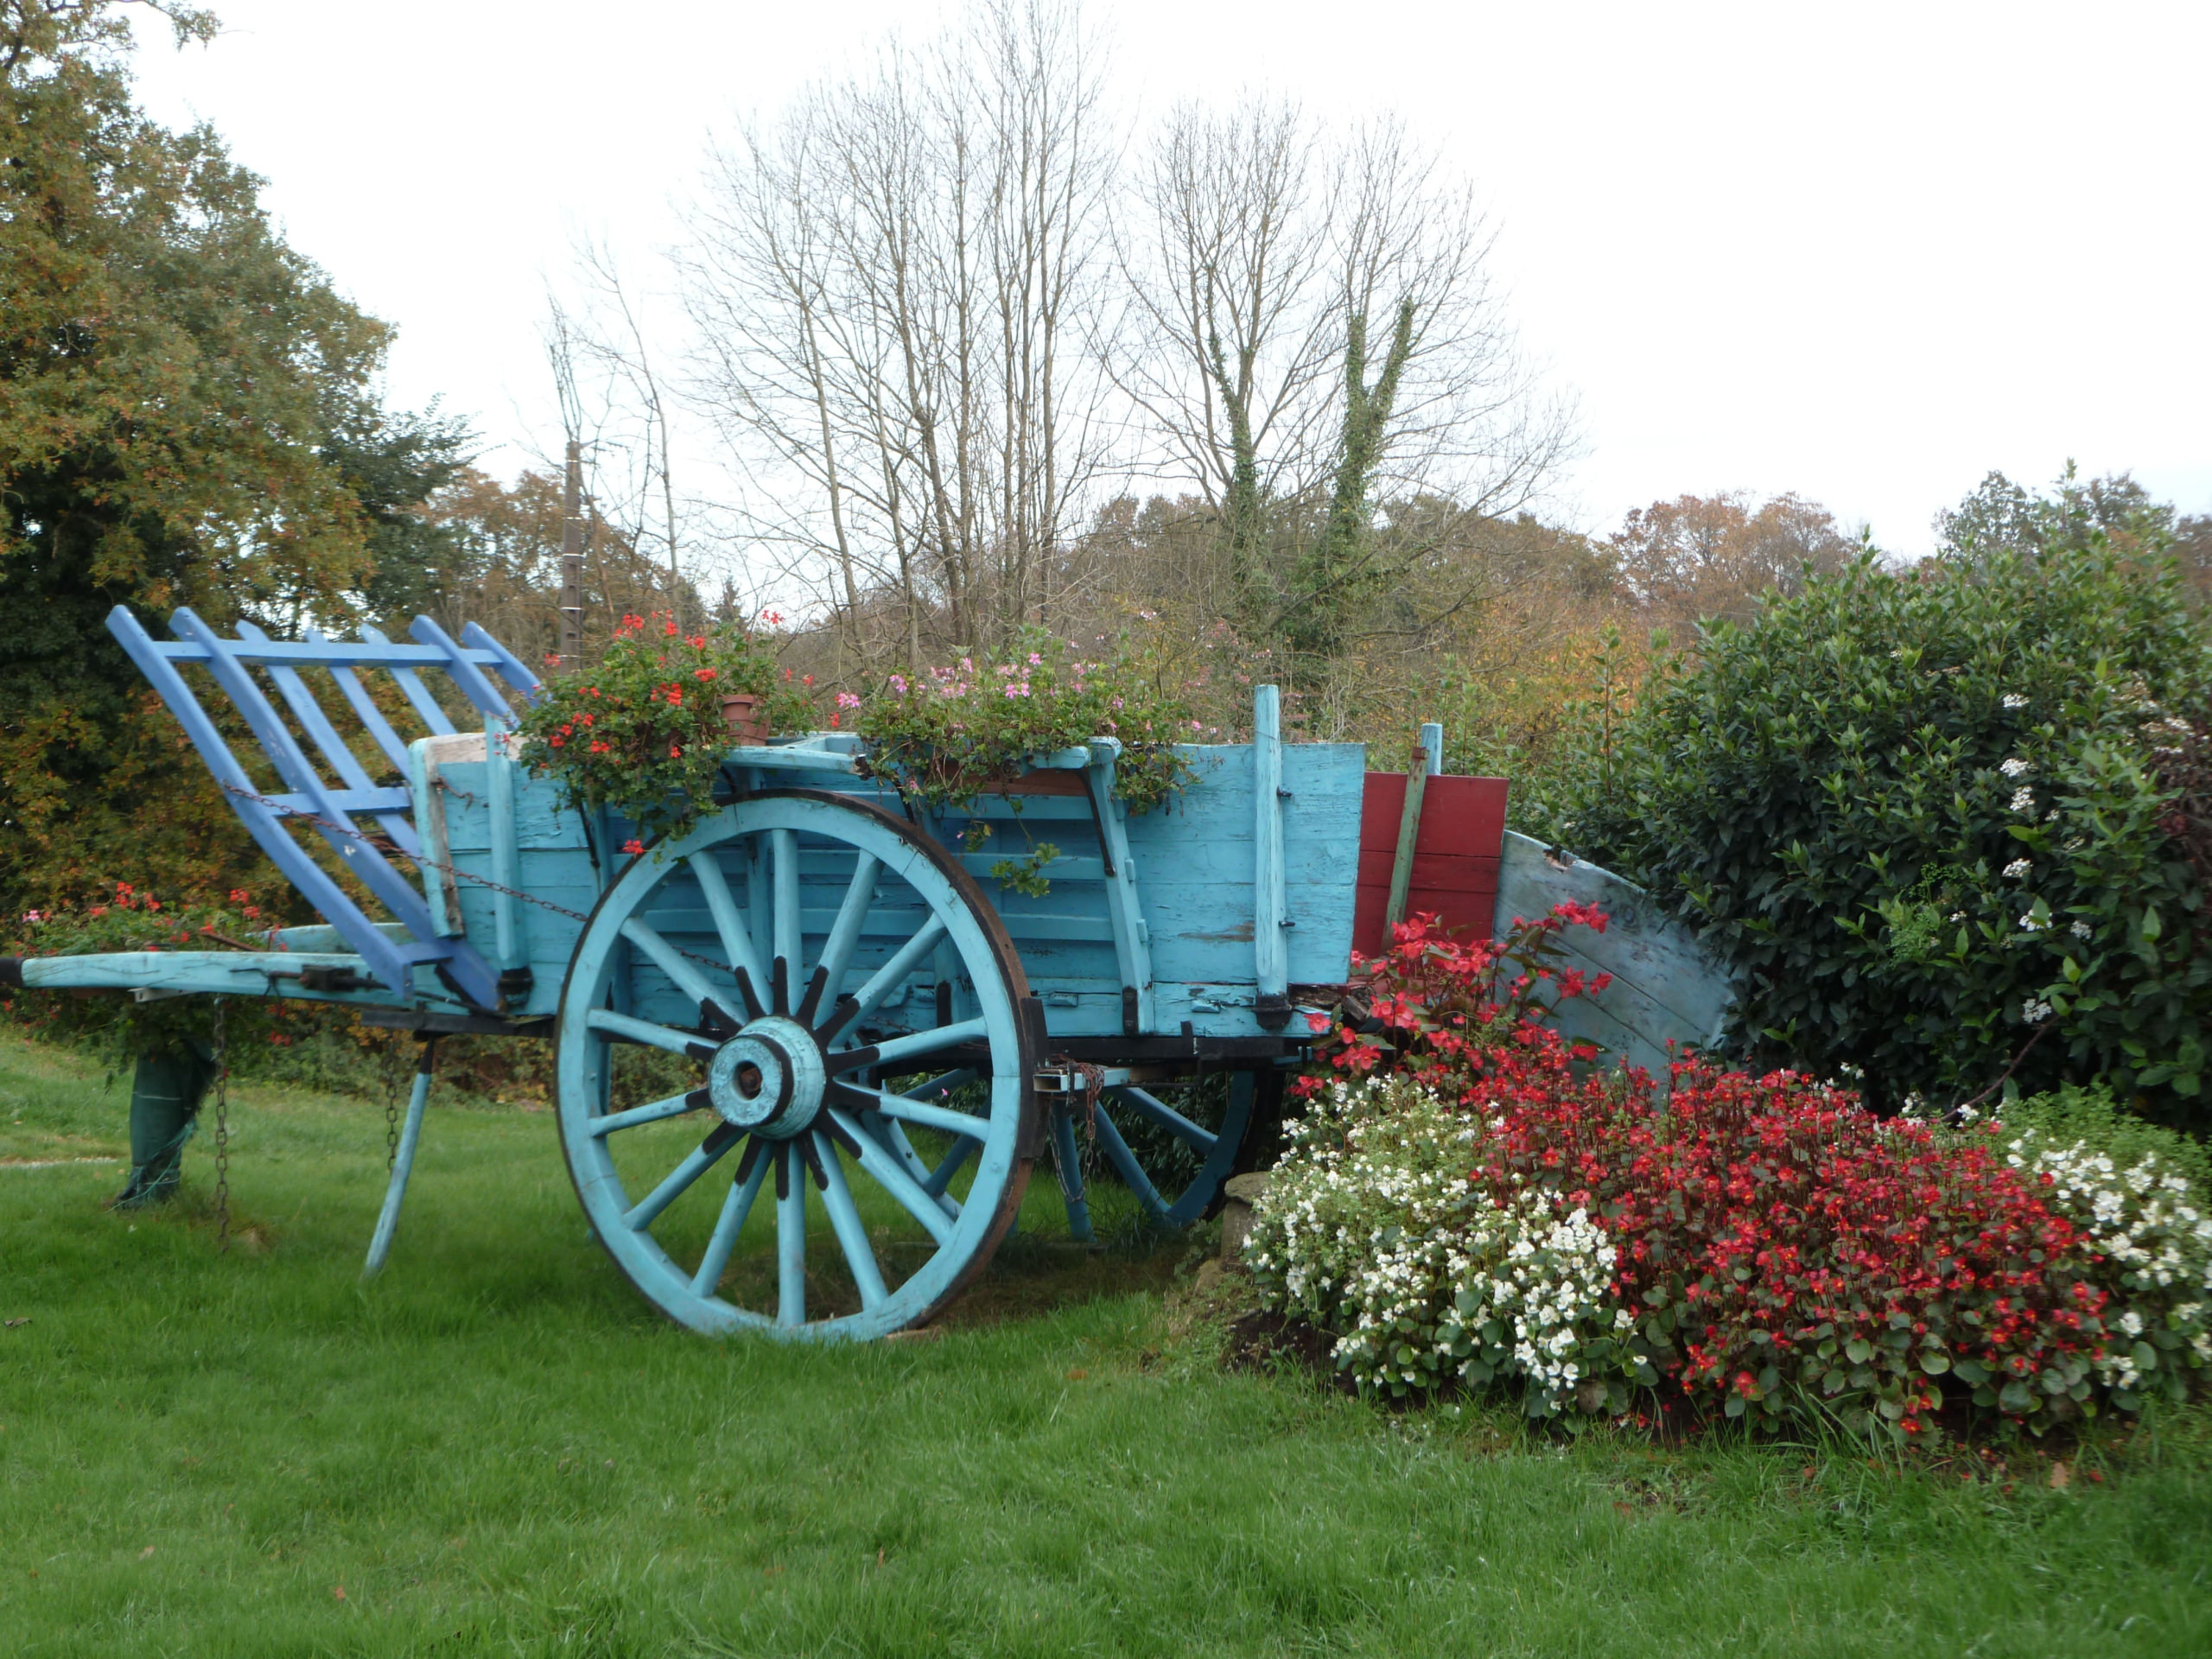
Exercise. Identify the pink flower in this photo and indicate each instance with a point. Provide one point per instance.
(1317, 1022)
(847, 700)
(1035, 661)
(898, 685)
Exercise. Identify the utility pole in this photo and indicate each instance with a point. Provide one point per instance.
(572, 560)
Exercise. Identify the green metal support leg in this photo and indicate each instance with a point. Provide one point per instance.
(165, 1094)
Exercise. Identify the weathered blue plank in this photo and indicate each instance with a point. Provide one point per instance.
(1666, 988)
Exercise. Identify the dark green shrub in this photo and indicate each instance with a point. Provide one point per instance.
(1922, 811)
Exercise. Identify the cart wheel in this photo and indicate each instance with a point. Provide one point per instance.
(733, 949)
(1215, 1149)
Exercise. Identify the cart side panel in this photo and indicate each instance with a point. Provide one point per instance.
(1666, 988)
(1195, 863)
(554, 861)
(1193, 860)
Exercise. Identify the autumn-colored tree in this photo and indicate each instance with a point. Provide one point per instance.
(500, 550)
(1701, 558)
(177, 388)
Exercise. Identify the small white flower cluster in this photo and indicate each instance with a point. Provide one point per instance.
(2034, 1011)
(2017, 869)
(2024, 800)
(2160, 1243)
(2170, 735)
(1370, 1228)
(2014, 700)
(2016, 767)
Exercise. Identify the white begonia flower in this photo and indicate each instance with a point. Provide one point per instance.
(2017, 869)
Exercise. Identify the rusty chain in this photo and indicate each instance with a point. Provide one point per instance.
(222, 1134)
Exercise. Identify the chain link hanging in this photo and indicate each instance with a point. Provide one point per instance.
(391, 1108)
(222, 1134)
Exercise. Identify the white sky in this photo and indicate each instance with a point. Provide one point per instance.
(1864, 253)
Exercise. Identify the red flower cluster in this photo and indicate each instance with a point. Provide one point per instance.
(1435, 1006)
(1784, 1253)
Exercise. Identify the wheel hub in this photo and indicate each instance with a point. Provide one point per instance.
(769, 1078)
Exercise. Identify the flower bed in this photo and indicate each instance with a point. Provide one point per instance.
(1492, 1212)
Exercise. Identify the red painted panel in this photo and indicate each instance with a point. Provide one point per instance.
(1465, 816)
(1455, 853)
(1431, 870)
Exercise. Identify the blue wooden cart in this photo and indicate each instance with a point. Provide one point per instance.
(859, 1010)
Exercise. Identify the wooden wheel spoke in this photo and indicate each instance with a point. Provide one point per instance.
(845, 1220)
(1125, 1164)
(791, 1237)
(885, 1170)
(899, 1049)
(785, 968)
(611, 1024)
(1166, 1117)
(737, 940)
(844, 936)
(684, 975)
(906, 1109)
(744, 1188)
(885, 979)
(647, 1210)
(955, 1156)
(1069, 1157)
(673, 1106)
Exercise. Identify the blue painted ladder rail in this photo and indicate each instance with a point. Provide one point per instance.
(335, 810)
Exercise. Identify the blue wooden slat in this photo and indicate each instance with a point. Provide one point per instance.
(1270, 950)
(365, 708)
(425, 705)
(374, 650)
(1124, 909)
(510, 667)
(391, 889)
(474, 684)
(314, 883)
(305, 709)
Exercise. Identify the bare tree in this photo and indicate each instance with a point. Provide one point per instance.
(891, 286)
(1312, 328)
(614, 402)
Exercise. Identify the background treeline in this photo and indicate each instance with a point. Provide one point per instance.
(951, 352)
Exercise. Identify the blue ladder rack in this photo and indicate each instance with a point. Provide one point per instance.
(331, 804)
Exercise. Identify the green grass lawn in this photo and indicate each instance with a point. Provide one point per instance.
(499, 1448)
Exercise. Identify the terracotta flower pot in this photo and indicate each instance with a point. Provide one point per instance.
(747, 715)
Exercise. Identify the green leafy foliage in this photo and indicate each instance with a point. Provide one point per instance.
(947, 733)
(186, 418)
(642, 730)
(118, 1026)
(1923, 813)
